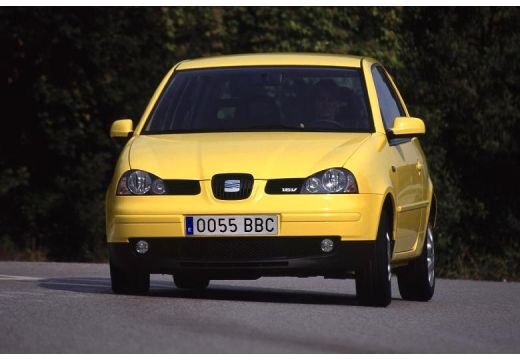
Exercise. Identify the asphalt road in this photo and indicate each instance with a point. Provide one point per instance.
(64, 308)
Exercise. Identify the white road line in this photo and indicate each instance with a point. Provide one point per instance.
(21, 293)
(99, 286)
(82, 282)
(19, 278)
(7, 296)
(75, 284)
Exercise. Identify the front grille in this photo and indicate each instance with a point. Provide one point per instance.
(236, 248)
(232, 186)
(253, 264)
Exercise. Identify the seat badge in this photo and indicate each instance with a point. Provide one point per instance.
(231, 186)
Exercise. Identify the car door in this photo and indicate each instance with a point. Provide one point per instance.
(406, 166)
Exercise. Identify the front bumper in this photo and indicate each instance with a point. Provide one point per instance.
(243, 258)
(352, 217)
(304, 220)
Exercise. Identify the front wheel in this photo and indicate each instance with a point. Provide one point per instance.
(417, 279)
(373, 280)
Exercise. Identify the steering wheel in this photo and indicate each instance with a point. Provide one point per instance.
(330, 122)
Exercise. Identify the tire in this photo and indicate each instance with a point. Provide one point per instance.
(373, 281)
(125, 282)
(190, 282)
(417, 279)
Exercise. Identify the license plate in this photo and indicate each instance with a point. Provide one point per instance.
(232, 225)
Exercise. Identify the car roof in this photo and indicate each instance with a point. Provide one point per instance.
(274, 59)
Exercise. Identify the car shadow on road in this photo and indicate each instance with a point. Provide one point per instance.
(165, 289)
(260, 294)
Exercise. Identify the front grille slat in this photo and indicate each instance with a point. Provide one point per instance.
(284, 186)
(244, 191)
(182, 187)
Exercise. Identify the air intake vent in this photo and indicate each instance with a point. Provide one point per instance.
(232, 186)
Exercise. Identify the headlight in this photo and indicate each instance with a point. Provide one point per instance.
(331, 181)
(139, 182)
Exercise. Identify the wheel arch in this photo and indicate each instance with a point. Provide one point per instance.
(432, 216)
(390, 208)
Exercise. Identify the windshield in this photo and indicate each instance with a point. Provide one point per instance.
(262, 99)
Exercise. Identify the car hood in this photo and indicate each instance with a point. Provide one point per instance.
(265, 155)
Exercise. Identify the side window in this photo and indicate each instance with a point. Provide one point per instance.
(388, 100)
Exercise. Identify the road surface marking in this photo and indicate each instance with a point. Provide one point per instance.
(19, 278)
(74, 284)
(99, 286)
(22, 293)
(81, 281)
(7, 296)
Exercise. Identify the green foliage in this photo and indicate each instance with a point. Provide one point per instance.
(463, 77)
(69, 72)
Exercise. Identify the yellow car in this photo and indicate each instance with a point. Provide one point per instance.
(246, 166)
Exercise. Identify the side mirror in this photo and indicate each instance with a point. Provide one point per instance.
(121, 128)
(407, 127)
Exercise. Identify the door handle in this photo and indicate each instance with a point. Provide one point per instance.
(419, 166)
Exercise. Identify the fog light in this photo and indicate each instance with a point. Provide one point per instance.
(142, 247)
(327, 245)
